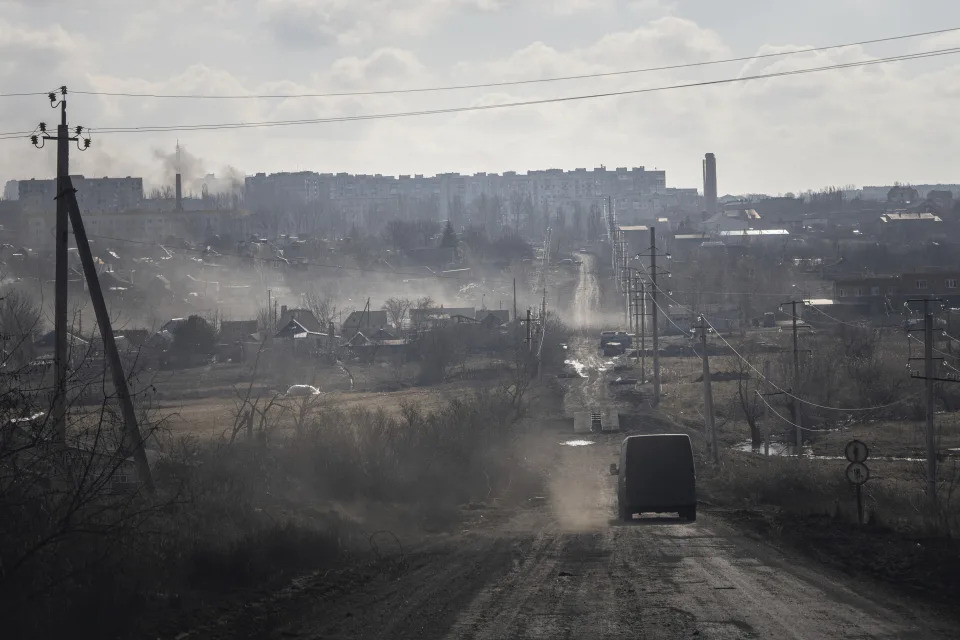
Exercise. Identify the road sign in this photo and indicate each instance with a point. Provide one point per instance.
(856, 451)
(857, 473)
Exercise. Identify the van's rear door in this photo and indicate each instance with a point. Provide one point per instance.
(660, 471)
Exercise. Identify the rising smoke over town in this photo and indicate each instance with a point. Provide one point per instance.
(478, 319)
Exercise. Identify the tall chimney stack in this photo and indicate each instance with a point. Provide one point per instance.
(710, 184)
(178, 185)
(178, 189)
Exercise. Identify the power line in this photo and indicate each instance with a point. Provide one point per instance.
(770, 382)
(507, 83)
(736, 293)
(790, 422)
(785, 392)
(940, 351)
(506, 105)
(837, 320)
(669, 319)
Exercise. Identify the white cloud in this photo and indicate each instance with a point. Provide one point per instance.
(319, 23)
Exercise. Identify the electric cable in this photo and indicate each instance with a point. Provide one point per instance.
(506, 105)
(506, 83)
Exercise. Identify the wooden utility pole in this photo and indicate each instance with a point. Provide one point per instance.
(710, 425)
(133, 441)
(654, 312)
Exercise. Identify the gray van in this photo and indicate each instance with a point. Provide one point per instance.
(656, 475)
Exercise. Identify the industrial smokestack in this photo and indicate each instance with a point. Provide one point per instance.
(178, 189)
(710, 184)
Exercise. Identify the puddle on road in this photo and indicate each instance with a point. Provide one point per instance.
(782, 449)
(576, 443)
(578, 366)
(606, 366)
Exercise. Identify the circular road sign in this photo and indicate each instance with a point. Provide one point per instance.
(856, 451)
(857, 473)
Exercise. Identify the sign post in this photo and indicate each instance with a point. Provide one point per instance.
(857, 472)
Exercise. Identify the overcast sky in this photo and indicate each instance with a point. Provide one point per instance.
(869, 125)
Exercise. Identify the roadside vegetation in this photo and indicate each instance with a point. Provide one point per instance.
(296, 484)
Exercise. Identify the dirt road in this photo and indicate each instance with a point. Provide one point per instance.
(564, 568)
(586, 299)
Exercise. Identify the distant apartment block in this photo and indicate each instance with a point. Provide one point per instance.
(116, 207)
(636, 192)
(94, 195)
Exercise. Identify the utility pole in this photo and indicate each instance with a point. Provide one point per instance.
(515, 300)
(643, 332)
(928, 373)
(637, 330)
(63, 139)
(930, 376)
(797, 413)
(766, 425)
(710, 425)
(654, 313)
(529, 342)
(68, 214)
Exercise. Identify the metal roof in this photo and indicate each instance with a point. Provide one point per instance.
(901, 217)
(755, 232)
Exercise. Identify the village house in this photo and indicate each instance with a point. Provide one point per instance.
(366, 320)
(436, 317)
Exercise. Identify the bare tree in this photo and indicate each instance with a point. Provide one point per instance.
(396, 309)
(747, 400)
(304, 410)
(265, 321)
(323, 305)
(20, 325)
(421, 305)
